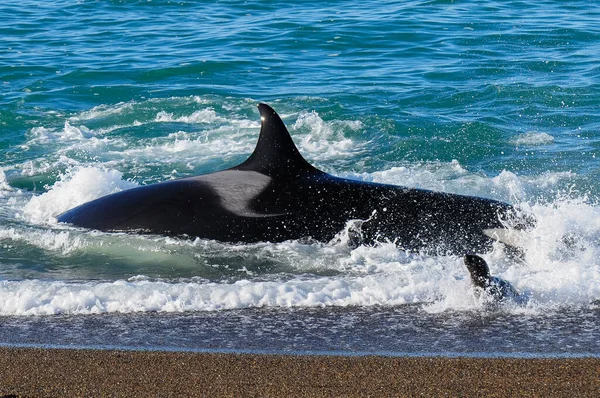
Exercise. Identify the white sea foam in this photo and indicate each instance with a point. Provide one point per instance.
(68, 134)
(63, 242)
(36, 297)
(189, 148)
(533, 138)
(102, 111)
(210, 135)
(454, 178)
(324, 140)
(78, 187)
(3, 183)
(207, 115)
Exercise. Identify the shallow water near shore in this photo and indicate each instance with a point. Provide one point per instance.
(474, 98)
(397, 331)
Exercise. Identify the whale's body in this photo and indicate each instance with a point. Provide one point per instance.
(275, 195)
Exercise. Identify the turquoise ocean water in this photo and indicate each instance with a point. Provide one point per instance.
(486, 98)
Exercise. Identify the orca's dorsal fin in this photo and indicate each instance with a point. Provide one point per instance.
(275, 153)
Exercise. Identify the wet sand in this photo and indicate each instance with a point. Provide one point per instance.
(60, 372)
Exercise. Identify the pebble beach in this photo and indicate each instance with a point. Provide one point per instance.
(67, 372)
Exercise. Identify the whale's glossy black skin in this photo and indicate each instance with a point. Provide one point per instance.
(275, 195)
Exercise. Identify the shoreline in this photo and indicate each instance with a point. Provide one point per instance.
(307, 353)
(91, 372)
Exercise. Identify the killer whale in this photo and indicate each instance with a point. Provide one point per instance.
(276, 195)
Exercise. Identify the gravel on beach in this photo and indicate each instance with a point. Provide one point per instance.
(84, 372)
